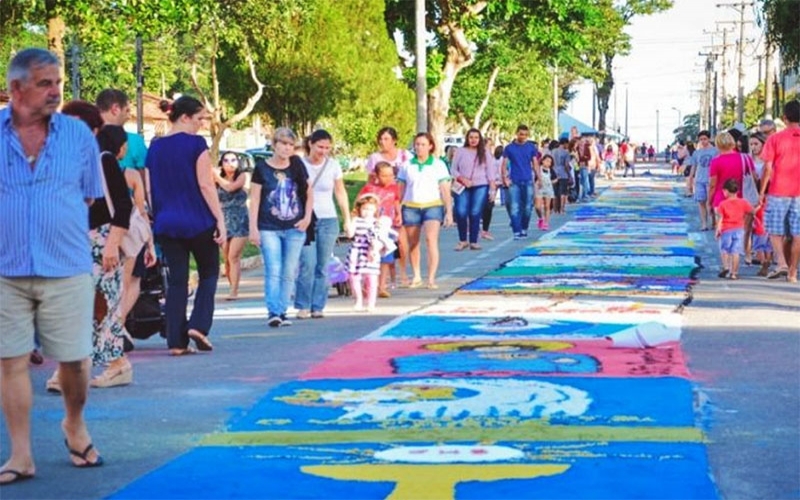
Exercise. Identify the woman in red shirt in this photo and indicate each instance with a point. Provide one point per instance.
(729, 164)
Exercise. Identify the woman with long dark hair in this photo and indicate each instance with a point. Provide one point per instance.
(230, 181)
(188, 220)
(106, 233)
(327, 181)
(474, 170)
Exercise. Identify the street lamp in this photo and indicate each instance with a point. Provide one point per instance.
(680, 121)
(658, 148)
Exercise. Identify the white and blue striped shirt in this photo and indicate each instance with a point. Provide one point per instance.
(44, 220)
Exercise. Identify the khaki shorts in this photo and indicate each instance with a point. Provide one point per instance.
(58, 310)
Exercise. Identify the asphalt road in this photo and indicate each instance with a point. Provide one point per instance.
(742, 340)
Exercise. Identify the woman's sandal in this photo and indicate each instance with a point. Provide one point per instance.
(177, 351)
(201, 341)
(16, 476)
(733, 277)
(84, 456)
(462, 245)
(415, 284)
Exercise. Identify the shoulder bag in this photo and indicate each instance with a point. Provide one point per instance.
(749, 188)
(138, 233)
(312, 226)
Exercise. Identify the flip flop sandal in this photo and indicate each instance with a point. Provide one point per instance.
(17, 476)
(84, 456)
(723, 273)
(182, 352)
(201, 341)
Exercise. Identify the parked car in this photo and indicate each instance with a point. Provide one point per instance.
(261, 153)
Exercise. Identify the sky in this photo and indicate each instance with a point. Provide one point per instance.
(664, 71)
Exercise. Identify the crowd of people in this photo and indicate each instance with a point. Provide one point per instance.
(78, 179)
(747, 190)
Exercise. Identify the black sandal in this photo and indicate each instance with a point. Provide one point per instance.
(17, 476)
(201, 341)
(84, 456)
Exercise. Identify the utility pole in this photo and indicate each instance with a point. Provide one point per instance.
(626, 111)
(768, 79)
(421, 58)
(658, 147)
(714, 109)
(555, 102)
(740, 90)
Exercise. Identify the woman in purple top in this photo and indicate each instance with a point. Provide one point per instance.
(473, 168)
(188, 219)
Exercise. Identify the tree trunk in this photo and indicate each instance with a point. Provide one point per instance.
(604, 93)
(459, 56)
(476, 123)
(56, 30)
(219, 124)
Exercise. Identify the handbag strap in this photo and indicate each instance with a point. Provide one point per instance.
(319, 174)
(106, 194)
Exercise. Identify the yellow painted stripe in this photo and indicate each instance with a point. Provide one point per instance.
(521, 432)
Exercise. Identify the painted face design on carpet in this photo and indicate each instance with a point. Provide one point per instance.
(453, 398)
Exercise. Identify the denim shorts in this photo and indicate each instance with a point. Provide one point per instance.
(761, 243)
(732, 241)
(782, 216)
(414, 216)
(700, 191)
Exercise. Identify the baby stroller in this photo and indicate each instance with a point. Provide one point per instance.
(147, 316)
(338, 276)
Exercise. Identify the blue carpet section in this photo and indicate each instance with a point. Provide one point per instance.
(595, 470)
(335, 405)
(579, 284)
(464, 327)
(610, 281)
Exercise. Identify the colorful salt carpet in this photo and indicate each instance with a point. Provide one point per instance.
(574, 386)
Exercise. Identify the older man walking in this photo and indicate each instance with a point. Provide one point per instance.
(50, 176)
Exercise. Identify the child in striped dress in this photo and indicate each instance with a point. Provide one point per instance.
(364, 258)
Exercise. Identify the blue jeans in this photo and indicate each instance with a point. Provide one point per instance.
(281, 253)
(469, 208)
(176, 254)
(584, 180)
(520, 205)
(311, 289)
(591, 181)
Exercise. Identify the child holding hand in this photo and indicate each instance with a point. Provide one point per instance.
(388, 192)
(730, 229)
(364, 256)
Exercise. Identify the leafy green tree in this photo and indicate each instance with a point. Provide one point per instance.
(615, 41)
(555, 29)
(502, 90)
(782, 18)
(753, 108)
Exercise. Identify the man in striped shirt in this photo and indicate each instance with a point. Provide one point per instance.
(50, 175)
